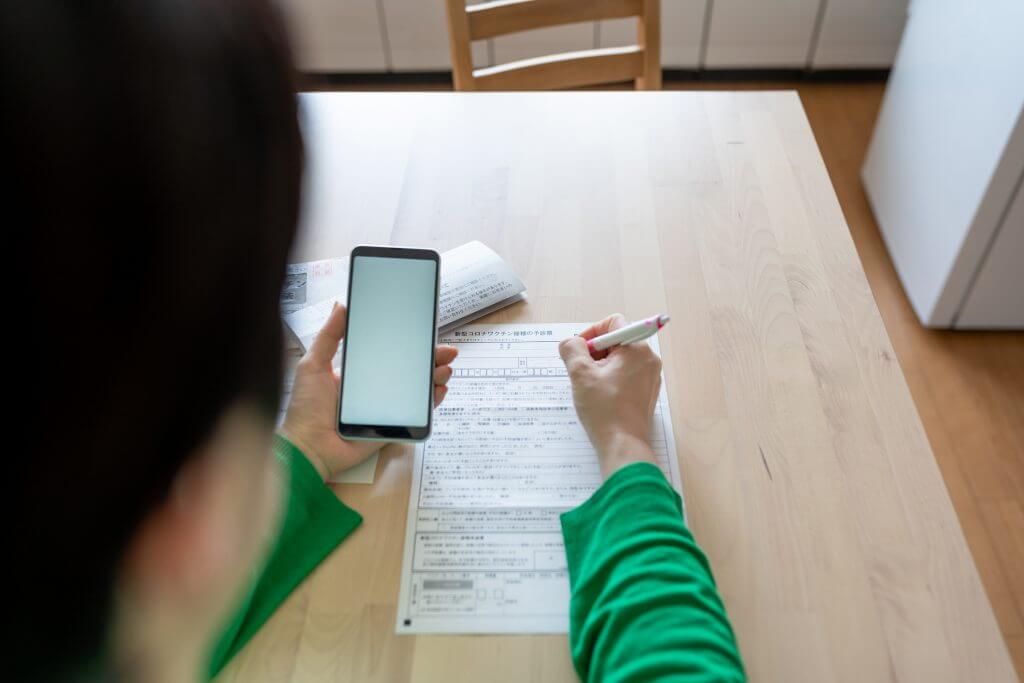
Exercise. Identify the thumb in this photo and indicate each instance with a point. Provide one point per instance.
(323, 348)
(574, 353)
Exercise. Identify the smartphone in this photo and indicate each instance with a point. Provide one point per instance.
(387, 360)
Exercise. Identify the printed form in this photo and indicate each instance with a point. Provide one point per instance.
(507, 455)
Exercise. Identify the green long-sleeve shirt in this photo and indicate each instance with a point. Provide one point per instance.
(315, 522)
(644, 605)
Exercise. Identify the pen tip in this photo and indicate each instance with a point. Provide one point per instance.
(662, 319)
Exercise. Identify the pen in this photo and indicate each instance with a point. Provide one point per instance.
(630, 333)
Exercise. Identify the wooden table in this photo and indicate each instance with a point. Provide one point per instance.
(808, 477)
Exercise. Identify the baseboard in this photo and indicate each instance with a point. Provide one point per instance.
(323, 79)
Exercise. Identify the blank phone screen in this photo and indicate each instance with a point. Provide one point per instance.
(389, 355)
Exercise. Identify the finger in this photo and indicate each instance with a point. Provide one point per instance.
(439, 393)
(638, 354)
(575, 354)
(323, 348)
(442, 374)
(609, 324)
(444, 355)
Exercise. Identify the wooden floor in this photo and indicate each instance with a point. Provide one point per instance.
(969, 387)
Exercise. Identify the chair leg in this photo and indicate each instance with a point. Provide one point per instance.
(649, 38)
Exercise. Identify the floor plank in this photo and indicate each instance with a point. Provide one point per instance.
(968, 386)
(1016, 644)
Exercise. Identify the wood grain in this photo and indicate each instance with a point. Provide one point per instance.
(807, 472)
(968, 386)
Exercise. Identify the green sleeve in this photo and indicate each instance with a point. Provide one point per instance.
(644, 605)
(314, 523)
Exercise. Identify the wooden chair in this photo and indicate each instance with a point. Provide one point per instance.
(640, 63)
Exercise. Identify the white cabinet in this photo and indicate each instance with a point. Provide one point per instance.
(345, 36)
(859, 33)
(682, 25)
(997, 297)
(946, 160)
(417, 36)
(336, 35)
(760, 33)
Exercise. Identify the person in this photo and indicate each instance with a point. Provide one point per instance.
(158, 518)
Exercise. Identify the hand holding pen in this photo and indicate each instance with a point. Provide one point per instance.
(626, 334)
(615, 389)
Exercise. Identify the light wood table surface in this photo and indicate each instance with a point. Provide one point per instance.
(808, 478)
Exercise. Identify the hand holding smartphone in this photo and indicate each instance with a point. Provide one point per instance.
(387, 361)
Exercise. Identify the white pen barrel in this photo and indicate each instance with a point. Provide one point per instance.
(625, 335)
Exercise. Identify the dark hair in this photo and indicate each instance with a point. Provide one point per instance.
(156, 161)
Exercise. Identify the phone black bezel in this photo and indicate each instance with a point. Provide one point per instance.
(388, 432)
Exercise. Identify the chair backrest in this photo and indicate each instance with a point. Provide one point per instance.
(640, 63)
